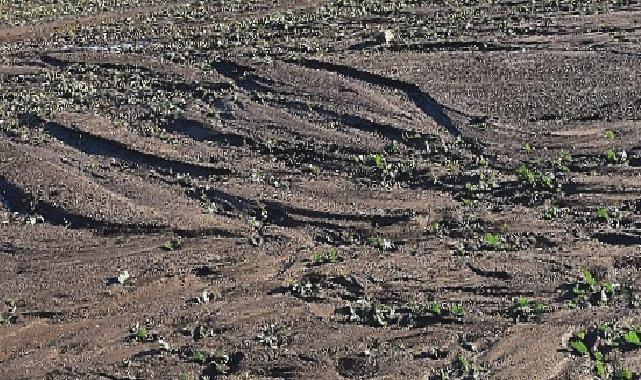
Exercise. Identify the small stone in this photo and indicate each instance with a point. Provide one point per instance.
(385, 36)
(122, 277)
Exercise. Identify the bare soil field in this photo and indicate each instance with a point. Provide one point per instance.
(320, 189)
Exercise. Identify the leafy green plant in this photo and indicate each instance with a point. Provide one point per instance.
(380, 243)
(590, 292)
(526, 175)
(526, 310)
(141, 333)
(562, 161)
(579, 347)
(599, 368)
(435, 309)
(551, 213)
(533, 179)
(602, 213)
(457, 310)
(199, 357)
(491, 240)
(609, 135)
(374, 314)
(331, 256)
(463, 363)
(610, 156)
(379, 161)
(172, 245)
(598, 344)
(589, 279)
(623, 374)
(631, 337)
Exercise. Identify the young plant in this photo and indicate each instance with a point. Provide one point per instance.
(526, 310)
(563, 160)
(579, 347)
(551, 213)
(602, 213)
(331, 256)
(379, 162)
(610, 156)
(172, 245)
(492, 241)
(590, 292)
(623, 374)
(457, 310)
(373, 314)
(199, 357)
(598, 343)
(632, 338)
(139, 333)
(380, 243)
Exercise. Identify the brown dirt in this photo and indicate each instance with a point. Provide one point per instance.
(248, 133)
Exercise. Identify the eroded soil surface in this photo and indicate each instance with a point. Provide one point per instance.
(274, 189)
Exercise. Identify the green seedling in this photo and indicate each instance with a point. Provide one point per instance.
(457, 310)
(534, 179)
(589, 279)
(610, 156)
(141, 333)
(632, 338)
(331, 256)
(599, 368)
(579, 347)
(492, 240)
(602, 213)
(199, 357)
(172, 245)
(623, 374)
(563, 161)
(527, 148)
(525, 310)
(551, 213)
(590, 292)
(526, 175)
(435, 309)
(599, 342)
(379, 161)
(380, 243)
(463, 363)
(609, 135)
